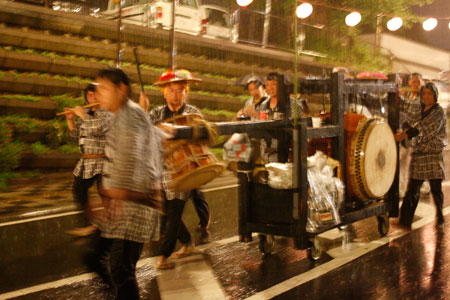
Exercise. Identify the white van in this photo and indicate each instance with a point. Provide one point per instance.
(215, 22)
(158, 14)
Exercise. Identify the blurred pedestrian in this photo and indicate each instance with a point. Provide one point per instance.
(131, 185)
(428, 138)
(89, 130)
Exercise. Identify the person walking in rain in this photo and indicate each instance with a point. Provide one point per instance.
(175, 87)
(428, 138)
(131, 185)
(89, 129)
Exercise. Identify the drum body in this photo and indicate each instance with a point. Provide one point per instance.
(190, 164)
(372, 159)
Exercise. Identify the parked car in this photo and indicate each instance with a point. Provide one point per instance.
(158, 14)
(215, 22)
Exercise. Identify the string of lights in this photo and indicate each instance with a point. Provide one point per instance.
(305, 9)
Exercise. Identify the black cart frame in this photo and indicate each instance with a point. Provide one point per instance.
(284, 212)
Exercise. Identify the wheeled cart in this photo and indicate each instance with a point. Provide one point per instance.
(277, 212)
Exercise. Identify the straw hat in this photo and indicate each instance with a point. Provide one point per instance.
(181, 75)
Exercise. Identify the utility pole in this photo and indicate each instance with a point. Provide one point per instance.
(378, 32)
(173, 49)
(119, 29)
(267, 23)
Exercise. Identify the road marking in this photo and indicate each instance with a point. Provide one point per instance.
(70, 213)
(48, 285)
(88, 276)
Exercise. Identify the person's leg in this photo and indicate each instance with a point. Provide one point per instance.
(202, 209)
(174, 211)
(404, 161)
(124, 256)
(438, 197)
(410, 202)
(80, 191)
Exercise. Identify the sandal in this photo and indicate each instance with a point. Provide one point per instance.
(165, 265)
(181, 254)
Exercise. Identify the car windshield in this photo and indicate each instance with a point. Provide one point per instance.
(217, 17)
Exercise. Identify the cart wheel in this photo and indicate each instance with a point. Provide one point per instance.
(314, 249)
(383, 224)
(266, 243)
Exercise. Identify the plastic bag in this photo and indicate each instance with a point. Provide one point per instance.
(280, 175)
(325, 195)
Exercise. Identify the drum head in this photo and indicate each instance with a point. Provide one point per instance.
(373, 159)
(196, 178)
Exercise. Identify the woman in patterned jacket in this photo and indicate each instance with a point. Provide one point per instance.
(429, 137)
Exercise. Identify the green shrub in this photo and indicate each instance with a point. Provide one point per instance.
(39, 148)
(21, 97)
(67, 101)
(69, 148)
(4, 176)
(5, 132)
(22, 122)
(10, 155)
(57, 133)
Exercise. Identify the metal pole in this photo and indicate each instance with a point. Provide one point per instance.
(378, 32)
(266, 23)
(119, 25)
(295, 69)
(173, 49)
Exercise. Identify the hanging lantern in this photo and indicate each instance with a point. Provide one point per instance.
(394, 23)
(429, 24)
(353, 19)
(304, 10)
(243, 3)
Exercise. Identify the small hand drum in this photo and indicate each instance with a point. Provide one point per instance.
(191, 164)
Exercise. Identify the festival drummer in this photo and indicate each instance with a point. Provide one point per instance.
(175, 87)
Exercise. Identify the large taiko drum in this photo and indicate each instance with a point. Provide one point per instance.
(190, 164)
(372, 159)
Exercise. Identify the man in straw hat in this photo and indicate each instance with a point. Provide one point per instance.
(175, 87)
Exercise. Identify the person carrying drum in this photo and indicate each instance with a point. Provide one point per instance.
(428, 138)
(175, 87)
(131, 187)
(257, 91)
(89, 128)
(410, 110)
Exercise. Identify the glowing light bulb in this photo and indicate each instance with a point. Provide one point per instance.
(394, 23)
(304, 10)
(353, 19)
(429, 24)
(244, 3)
(449, 25)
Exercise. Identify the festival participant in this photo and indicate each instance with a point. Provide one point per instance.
(131, 184)
(429, 137)
(258, 95)
(175, 87)
(272, 108)
(89, 129)
(410, 109)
